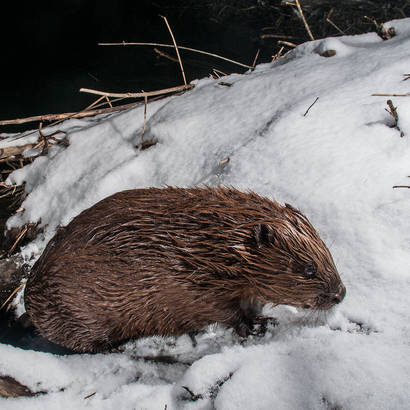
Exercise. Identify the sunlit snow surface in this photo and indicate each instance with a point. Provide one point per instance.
(338, 164)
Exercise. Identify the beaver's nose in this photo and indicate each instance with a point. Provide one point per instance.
(339, 295)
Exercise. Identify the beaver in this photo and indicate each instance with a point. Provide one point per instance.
(168, 261)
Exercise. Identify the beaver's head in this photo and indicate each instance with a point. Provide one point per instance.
(293, 265)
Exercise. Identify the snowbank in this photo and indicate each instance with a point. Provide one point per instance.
(338, 164)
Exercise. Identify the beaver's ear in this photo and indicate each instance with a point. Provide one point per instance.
(263, 235)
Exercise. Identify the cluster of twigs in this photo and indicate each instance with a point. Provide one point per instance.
(12, 196)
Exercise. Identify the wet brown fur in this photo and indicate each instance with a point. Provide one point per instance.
(171, 261)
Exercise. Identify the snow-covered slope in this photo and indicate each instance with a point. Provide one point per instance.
(338, 164)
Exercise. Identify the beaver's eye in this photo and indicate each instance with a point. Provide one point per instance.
(310, 270)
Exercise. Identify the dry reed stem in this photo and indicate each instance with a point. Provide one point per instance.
(297, 3)
(12, 151)
(401, 186)
(93, 104)
(165, 55)
(19, 238)
(176, 49)
(279, 36)
(12, 294)
(304, 20)
(145, 118)
(139, 95)
(255, 59)
(286, 43)
(391, 95)
(108, 101)
(7, 190)
(310, 106)
(216, 71)
(215, 75)
(334, 25)
(180, 47)
(278, 54)
(65, 116)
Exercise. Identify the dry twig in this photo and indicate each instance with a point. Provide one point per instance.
(278, 54)
(176, 49)
(140, 95)
(297, 4)
(304, 20)
(217, 72)
(279, 36)
(286, 43)
(310, 106)
(333, 24)
(180, 47)
(145, 118)
(255, 59)
(12, 294)
(391, 95)
(166, 55)
(12, 151)
(65, 116)
(393, 112)
(18, 239)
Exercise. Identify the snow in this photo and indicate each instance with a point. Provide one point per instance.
(338, 164)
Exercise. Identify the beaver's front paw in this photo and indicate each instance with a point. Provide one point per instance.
(260, 324)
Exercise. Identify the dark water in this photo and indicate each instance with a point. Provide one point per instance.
(22, 335)
(50, 51)
(49, 48)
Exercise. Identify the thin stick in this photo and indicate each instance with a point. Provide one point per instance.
(215, 74)
(11, 151)
(401, 186)
(255, 59)
(310, 106)
(391, 95)
(286, 43)
(278, 54)
(176, 49)
(335, 26)
(19, 238)
(180, 47)
(12, 294)
(93, 104)
(216, 71)
(165, 55)
(304, 20)
(145, 118)
(59, 117)
(108, 101)
(139, 95)
(280, 36)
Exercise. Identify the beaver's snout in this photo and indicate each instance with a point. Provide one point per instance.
(329, 299)
(339, 295)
